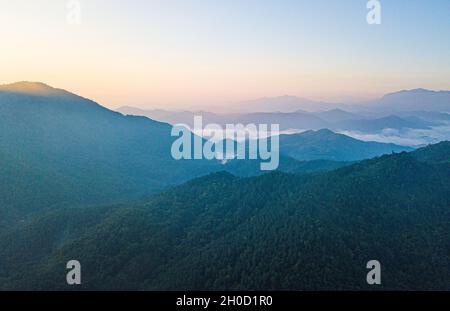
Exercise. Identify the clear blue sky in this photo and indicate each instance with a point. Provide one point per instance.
(187, 52)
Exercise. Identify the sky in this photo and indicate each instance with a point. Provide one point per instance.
(183, 54)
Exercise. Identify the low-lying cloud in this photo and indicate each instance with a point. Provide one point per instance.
(405, 137)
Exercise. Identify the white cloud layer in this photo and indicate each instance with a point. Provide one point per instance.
(405, 137)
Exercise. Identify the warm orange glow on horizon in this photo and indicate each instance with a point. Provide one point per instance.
(151, 54)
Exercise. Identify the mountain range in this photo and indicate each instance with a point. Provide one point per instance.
(396, 111)
(60, 149)
(79, 181)
(272, 232)
(413, 100)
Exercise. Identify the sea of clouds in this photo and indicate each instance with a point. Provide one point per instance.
(405, 137)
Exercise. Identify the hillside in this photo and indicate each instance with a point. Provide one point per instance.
(276, 231)
(59, 149)
(327, 145)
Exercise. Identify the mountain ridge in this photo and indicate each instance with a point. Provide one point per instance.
(389, 208)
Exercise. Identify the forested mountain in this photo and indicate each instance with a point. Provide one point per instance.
(327, 145)
(58, 149)
(247, 168)
(322, 145)
(276, 231)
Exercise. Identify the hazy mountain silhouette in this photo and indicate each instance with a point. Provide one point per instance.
(284, 103)
(292, 120)
(176, 117)
(286, 121)
(438, 117)
(336, 115)
(413, 100)
(378, 124)
(376, 116)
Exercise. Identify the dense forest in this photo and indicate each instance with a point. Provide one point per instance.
(59, 150)
(79, 181)
(302, 231)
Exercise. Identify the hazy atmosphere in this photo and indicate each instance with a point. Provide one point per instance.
(183, 147)
(193, 54)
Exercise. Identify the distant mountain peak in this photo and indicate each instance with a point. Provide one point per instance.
(284, 103)
(32, 88)
(414, 91)
(326, 132)
(336, 110)
(417, 90)
(420, 90)
(25, 92)
(316, 134)
(418, 99)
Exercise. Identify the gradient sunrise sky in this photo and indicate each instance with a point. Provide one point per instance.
(190, 54)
